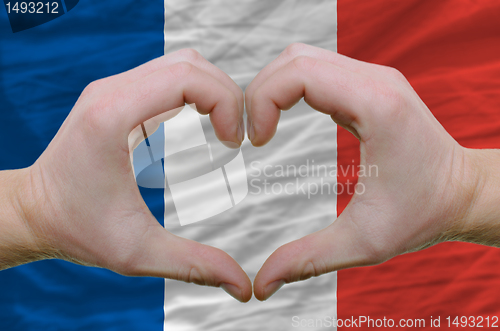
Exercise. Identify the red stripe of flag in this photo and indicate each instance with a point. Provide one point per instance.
(450, 53)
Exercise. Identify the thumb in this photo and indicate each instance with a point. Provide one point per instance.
(332, 248)
(163, 254)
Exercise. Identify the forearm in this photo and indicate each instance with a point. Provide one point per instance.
(481, 224)
(17, 242)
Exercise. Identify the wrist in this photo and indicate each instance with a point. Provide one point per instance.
(480, 220)
(18, 243)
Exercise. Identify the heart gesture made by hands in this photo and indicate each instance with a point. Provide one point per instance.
(79, 201)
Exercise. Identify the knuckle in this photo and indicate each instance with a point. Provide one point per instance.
(310, 269)
(194, 270)
(192, 274)
(397, 75)
(394, 73)
(304, 63)
(190, 54)
(181, 69)
(94, 87)
(295, 49)
(195, 277)
(388, 98)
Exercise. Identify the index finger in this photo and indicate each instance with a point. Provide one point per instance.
(326, 87)
(185, 55)
(117, 114)
(298, 49)
(160, 63)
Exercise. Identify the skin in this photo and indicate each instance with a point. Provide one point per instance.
(80, 202)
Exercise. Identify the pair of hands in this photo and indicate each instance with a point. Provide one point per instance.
(80, 202)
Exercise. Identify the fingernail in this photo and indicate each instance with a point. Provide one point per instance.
(230, 144)
(250, 129)
(241, 130)
(232, 290)
(273, 288)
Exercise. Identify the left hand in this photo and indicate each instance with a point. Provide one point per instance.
(426, 183)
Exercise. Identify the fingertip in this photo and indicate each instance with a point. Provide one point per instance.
(263, 116)
(229, 132)
(242, 293)
(260, 136)
(241, 130)
(262, 293)
(233, 291)
(247, 291)
(250, 129)
(272, 288)
(231, 144)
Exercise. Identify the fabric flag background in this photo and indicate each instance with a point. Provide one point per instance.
(449, 51)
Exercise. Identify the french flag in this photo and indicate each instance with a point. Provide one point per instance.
(449, 52)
